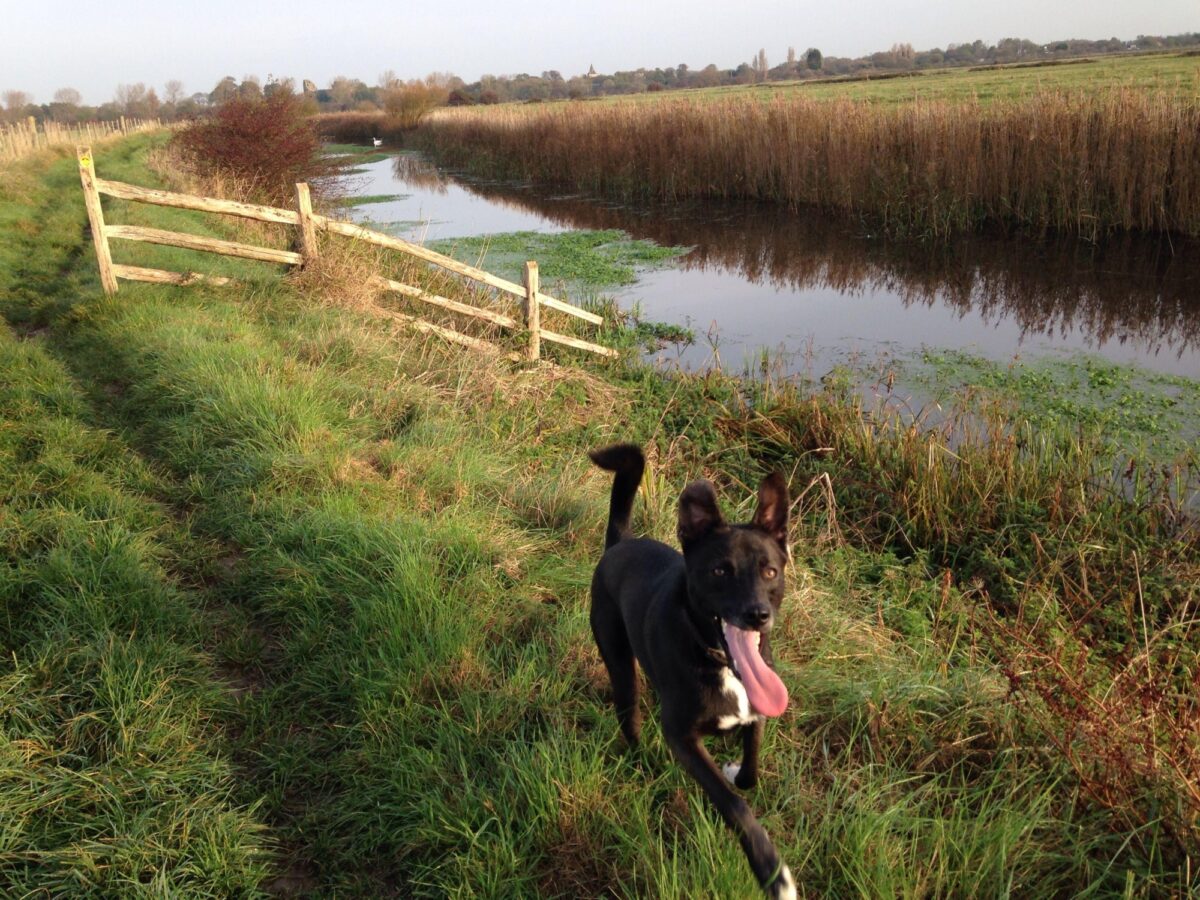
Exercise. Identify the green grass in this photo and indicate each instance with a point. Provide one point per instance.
(352, 570)
(115, 770)
(348, 149)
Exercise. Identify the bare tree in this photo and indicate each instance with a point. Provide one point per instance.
(173, 91)
(127, 96)
(68, 96)
(761, 68)
(407, 103)
(15, 101)
(341, 92)
(389, 80)
(150, 106)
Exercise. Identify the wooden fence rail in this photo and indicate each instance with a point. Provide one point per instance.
(308, 224)
(20, 139)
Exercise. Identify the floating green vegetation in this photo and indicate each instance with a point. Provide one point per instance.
(345, 149)
(592, 258)
(372, 198)
(1135, 410)
(403, 227)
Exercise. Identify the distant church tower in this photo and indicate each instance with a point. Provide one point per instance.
(591, 72)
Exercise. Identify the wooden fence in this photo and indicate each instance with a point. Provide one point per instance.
(23, 138)
(308, 224)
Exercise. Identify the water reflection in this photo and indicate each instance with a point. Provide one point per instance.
(771, 277)
(416, 171)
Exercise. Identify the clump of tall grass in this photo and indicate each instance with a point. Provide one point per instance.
(1084, 163)
(1087, 577)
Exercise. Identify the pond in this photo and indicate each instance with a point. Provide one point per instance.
(817, 292)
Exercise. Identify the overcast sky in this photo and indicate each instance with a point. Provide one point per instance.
(95, 46)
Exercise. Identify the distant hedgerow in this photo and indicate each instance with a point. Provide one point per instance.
(267, 144)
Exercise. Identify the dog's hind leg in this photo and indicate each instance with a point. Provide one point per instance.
(613, 641)
(774, 877)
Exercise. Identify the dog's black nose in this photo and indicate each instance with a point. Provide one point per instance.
(757, 616)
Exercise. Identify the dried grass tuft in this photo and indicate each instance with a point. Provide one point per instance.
(345, 274)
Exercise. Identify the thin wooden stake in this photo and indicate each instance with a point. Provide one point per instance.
(91, 199)
(308, 229)
(533, 314)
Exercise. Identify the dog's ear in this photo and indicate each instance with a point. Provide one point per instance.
(771, 517)
(698, 513)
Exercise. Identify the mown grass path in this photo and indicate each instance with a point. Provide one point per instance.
(324, 590)
(116, 777)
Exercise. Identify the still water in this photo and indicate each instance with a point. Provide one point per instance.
(817, 291)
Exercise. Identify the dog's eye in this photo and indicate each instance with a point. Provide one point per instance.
(769, 572)
(719, 571)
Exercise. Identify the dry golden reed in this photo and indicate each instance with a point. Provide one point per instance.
(1086, 163)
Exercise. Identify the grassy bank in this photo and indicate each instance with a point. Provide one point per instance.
(380, 551)
(1073, 162)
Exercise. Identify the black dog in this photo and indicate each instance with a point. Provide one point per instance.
(698, 624)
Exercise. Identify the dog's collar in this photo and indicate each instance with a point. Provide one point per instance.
(719, 653)
(720, 656)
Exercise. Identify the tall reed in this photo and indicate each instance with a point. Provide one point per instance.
(1120, 160)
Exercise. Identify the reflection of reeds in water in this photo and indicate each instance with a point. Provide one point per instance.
(1122, 159)
(419, 172)
(1126, 288)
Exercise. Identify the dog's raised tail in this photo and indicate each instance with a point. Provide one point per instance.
(628, 463)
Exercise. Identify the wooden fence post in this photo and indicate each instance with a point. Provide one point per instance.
(308, 230)
(91, 199)
(533, 312)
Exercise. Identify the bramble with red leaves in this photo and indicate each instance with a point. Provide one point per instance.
(268, 144)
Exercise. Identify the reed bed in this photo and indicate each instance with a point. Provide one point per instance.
(1122, 160)
(359, 127)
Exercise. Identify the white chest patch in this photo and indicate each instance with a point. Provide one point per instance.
(734, 690)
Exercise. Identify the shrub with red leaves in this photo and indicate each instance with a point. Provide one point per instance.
(267, 143)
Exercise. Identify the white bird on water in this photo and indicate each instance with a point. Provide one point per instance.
(377, 142)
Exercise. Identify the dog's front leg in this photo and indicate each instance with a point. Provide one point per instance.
(747, 776)
(768, 868)
(744, 775)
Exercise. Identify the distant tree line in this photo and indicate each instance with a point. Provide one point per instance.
(406, 100)
(810, 63)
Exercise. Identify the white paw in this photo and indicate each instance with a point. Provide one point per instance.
(731, 771)
(784, 887)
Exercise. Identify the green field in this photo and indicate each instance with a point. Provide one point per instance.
(1171, 73)
(296, 604)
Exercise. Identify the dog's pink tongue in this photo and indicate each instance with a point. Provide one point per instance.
(767, 694)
